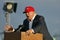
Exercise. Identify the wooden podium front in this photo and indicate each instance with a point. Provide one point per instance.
(36, 36)
(22, 36)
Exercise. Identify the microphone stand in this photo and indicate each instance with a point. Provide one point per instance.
(7, 15)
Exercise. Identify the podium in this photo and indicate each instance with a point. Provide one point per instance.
(12, 36)
(22, 36)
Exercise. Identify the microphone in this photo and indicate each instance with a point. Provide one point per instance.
(19, 28)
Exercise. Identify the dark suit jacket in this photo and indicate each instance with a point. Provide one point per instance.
(39, 26)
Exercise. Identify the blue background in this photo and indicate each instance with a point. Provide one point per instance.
(50, 9)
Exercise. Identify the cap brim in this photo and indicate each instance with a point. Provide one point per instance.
(24, 12)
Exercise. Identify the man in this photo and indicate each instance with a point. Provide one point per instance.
(34, 24)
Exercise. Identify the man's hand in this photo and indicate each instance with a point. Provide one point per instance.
(8, 28)
(30, 31)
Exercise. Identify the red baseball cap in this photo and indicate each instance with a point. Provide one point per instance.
(29, 9)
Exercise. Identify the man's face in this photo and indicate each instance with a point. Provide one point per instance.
(29, 15)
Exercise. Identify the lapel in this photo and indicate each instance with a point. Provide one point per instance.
(34, 21)
(26, 24)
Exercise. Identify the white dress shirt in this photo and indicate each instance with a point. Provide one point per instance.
(30, 22)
